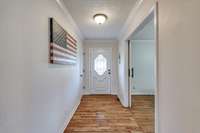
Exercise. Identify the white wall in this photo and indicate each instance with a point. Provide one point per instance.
(35, 97)
(179, 66)
(179, 73)
(101, 43)
(123, 74)
(144, 66)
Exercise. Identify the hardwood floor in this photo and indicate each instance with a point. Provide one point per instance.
(143, 112)
(104, 114)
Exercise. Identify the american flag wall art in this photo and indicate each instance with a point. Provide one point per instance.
(63, 47)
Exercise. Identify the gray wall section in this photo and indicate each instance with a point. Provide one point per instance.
(144, 65)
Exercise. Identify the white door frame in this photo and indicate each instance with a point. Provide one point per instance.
(90, 69)
(153, 10)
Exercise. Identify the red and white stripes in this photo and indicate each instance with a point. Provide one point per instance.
(60, 55)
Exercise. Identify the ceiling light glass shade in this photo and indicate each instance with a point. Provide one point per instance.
(100, 18)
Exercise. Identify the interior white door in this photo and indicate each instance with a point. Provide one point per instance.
(100, 70)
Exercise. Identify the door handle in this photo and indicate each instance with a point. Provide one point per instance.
(109, 71)
(132, 72)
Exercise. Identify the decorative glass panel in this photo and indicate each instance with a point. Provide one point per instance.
(100, 64)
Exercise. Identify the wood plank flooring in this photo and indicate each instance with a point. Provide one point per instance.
(143, 112)
(104, 114)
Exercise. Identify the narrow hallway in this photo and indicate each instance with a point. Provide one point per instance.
(100, 66)
(105, 114)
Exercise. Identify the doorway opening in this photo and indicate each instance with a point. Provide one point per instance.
(142, 65)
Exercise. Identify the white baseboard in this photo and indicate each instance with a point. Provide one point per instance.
(70, 117)
(90, 92)
(143, 92)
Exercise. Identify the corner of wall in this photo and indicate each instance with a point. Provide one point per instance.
(120, 95)
(73, 23)
(67, 119)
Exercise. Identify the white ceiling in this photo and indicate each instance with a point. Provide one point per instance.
(83, 11)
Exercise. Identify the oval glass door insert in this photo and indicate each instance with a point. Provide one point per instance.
(100, 64)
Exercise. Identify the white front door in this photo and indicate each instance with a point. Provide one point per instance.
(100, 70)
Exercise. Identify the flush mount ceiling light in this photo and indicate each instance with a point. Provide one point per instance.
(100, 18)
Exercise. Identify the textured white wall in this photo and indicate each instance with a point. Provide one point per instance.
(144, 66)
(179, 66)
(35, 97)
(123, 74)
(98, 44)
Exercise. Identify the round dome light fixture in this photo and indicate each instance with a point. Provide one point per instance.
(100, 18)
